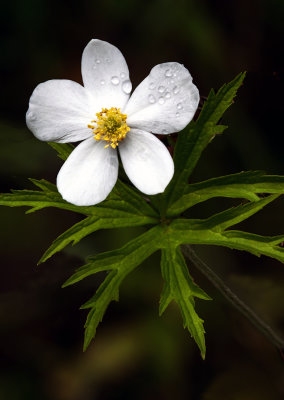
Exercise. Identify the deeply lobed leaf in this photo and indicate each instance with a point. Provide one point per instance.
(124, 258)
(180, 287)
(106, 220)
(255, 244)
(120, 263)
(38, 200)
(244, 185)
(122, 199)
(190, 144)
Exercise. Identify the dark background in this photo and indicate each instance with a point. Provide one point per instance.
(136, 354)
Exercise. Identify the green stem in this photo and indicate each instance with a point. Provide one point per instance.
(273, 337)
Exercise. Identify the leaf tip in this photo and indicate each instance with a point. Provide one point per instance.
(40, 261)
(66, 283)
(86, 344)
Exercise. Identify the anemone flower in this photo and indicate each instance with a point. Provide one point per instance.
(103, 117)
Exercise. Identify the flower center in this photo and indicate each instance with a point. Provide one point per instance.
(111, 126)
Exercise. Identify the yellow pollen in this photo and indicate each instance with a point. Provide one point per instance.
(110, 126)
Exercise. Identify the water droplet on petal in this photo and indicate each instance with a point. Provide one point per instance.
(179, 106)
(175, 74)
(122, 75)
(161, 100)
(152, 86)
(98, 61)
(168, 95)
(102, 82)
(151, 99)
(177, 114)
(31, 116)
(168, 73)
(176, 90)
(161, 89)
(127, 86)
(115, 80)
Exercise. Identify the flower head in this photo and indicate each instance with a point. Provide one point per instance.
(110, 126)
(102, 115)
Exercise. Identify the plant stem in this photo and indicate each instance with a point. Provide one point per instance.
(243, 308)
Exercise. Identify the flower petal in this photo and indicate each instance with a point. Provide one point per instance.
(165, 101)
(105, 73)
(89, 173)
(146, 161)
(59, 111)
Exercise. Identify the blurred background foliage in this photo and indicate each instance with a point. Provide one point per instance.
(137, 355)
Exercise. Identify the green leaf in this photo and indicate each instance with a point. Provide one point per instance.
(211, 231)
(180, 287)
(182, 233)
(122, 198)
(133, 253)
(38, 200)
(107, 292)
(190, 144)
(244, 185)
(63, 149)
(120, 263)
(223, 220)
(44, 185)
(105, 219)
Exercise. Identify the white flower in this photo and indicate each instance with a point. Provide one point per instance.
(103, 116)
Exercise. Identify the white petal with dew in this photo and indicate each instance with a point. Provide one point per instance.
(60, 111)
(89, 173)
(105, 73)
(146, 161)
(165, 102)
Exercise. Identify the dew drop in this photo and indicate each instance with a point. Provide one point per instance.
(98, 61)
(151, 99)
(115, 80)
(177, 114)
(168, 95)
(161, 100)
(175, 74)
(152, 86)
(168, 73)
(179, 106)
(122, 75)
(127, 86)
(31, 116)
(161, 89)
(176, 90)
(102, 82)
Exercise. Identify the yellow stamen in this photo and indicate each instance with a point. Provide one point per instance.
(111, 126)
